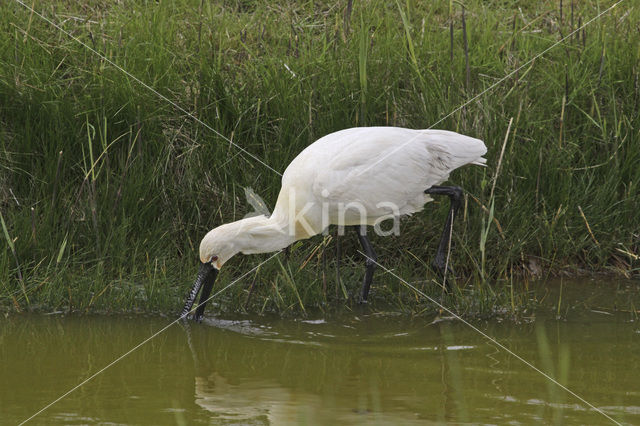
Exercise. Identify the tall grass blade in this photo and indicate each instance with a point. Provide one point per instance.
(61, 251)
(12, 247)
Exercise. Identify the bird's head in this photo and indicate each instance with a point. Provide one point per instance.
(219, 245)
(216, 248)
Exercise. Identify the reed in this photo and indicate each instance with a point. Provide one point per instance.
(106, 188)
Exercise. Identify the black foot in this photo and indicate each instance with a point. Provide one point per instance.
(439, 267)
(362, 300)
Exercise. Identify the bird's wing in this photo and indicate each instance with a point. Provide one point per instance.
(389, 166)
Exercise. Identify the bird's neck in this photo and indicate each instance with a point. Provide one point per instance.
(261, 234)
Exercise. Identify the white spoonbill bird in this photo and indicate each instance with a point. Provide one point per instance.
(358, 176)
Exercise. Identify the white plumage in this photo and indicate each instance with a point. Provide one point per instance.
(373, 171)
(368, 166)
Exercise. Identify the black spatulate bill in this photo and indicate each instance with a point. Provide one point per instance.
(206, 278)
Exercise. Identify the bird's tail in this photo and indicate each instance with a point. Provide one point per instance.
(480, 162)
(454, 150)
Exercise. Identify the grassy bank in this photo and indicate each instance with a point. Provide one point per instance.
(106, 188)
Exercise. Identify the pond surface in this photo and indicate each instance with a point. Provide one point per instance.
(353, 369)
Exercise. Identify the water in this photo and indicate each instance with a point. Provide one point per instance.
(353, 369)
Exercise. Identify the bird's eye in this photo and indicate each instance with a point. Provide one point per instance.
(213, 258)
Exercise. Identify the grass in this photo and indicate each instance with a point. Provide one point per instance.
(106, 188)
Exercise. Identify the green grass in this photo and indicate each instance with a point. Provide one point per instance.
(106, 188)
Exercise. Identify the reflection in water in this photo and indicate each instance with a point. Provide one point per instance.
(297, 375)
(347, 370)
(370, 370)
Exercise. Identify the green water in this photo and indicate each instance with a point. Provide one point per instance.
(351, 369)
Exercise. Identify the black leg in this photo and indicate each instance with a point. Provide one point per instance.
(370, 262)
(324, 271)
(455, 195)
(253, 283)
(338, 255)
